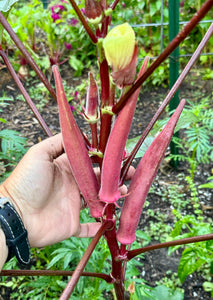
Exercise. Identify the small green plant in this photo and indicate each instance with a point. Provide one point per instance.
(196, 147)
(12, 148)
(195, 256)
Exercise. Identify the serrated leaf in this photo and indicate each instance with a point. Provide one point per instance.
(189, 263)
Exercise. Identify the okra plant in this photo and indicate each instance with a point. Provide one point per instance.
(110, 118)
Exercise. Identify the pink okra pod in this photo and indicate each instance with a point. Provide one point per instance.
(76, 151)
(110, 177)
(142, 180)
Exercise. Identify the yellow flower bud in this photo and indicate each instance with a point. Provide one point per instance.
(119, 46)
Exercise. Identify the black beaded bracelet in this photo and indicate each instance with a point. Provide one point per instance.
(15, 232)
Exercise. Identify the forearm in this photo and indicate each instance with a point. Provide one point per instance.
(3, 249)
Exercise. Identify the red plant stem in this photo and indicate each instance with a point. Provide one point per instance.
(105, 277)
(105, 94)
(27, 55)
(171, 93)
(110, 235)
(169, 49)
(25, 94)
(83, 21)
(93, 128)
(113, 5)
(79, 269)
(116, 273)
(104, 130)
(195, 239)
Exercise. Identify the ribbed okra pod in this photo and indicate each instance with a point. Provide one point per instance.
(76, 152)
(142, 180)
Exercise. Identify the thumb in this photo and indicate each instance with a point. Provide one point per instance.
(88, 229)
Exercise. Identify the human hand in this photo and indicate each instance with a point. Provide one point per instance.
(45, 194)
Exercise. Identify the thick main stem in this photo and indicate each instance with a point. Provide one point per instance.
(116, 273)
(105, 94)
(117, 265)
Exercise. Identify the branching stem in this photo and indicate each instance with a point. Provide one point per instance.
(195, 239)
(105, 277)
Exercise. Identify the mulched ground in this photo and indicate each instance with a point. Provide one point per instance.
(156, 263)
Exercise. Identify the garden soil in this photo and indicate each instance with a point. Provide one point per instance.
(157, 263)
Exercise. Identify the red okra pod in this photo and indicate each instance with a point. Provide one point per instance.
(142, 180)
(76, 151)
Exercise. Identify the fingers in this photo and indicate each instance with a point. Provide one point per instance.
(88, 229)
(50, 148)
(123, 189)
(130, 173)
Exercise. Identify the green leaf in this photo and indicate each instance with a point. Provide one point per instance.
(142, 235)
(5, 5)
(165, 293)
(206, 185)
(189, 263)
(132, 142)
(185, 120)
(209, 245)
(208, 286)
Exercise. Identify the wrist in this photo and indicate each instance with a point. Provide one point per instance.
(4, 193)
(15, 234)
(4, 249)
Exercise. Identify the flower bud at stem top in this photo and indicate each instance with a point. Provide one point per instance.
(121, 53)
(119, 46)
